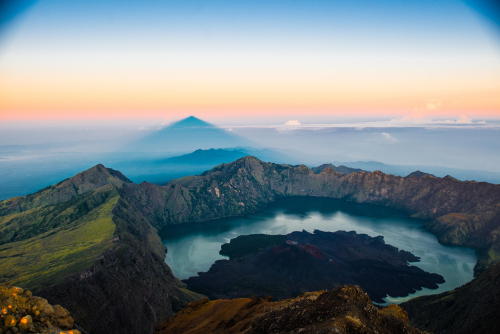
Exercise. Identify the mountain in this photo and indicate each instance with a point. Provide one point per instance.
(284, 266)
(90, 243)
(339, 169)
(212, 156)
(186, 135)
(472, 308)
(346, 310)
(160, 171)
(402, 170)
(77, 244)
(462, 213)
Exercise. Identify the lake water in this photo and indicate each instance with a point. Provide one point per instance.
(193, 248)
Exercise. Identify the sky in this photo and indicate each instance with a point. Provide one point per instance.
(222, 59)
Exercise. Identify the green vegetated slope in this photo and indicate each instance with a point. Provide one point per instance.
(58, 231)
(26, 224)
(50, 256)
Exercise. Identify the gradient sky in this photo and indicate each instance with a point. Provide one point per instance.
(63, 59)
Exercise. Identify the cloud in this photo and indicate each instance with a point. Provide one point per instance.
(293, 122)
(390, 138)
(433, 105)
(464, 119)
(420, 120)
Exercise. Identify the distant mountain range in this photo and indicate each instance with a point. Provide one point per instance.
(403, 170)
(212, 156)
(162, 170)
(189, 146)
(186, 135)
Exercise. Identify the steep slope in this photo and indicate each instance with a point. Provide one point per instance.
(77, 244)
(472, 308)
(188, 134)
(343, 310)
(89, 180)
(60, 229)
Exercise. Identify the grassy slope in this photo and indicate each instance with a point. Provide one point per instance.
(50, 256)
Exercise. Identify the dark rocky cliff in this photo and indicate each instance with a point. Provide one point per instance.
(472, 308)
(129, 289)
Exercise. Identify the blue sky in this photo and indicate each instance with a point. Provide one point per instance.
(225, 55)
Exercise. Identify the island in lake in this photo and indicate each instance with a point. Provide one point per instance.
(284, 266)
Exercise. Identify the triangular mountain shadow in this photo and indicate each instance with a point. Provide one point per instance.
(187, 135)
(190, 122)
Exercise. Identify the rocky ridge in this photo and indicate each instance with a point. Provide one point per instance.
(343, 310)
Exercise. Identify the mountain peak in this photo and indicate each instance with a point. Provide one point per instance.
(190, 122)
(187, 134)
(99, 173)
(88, 180)
(417, 174)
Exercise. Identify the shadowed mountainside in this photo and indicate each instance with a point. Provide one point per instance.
(188, 134)
(343, 310)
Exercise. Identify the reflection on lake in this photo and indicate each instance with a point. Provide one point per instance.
(193, 248)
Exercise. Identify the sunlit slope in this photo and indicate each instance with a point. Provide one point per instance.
(49, 256)
(58, 231)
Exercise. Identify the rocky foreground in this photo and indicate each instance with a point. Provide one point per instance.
(284, 266)
(21, 312)
(90, 243)
(343, 310)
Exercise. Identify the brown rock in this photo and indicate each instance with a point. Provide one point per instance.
(343, 310)
(20, 311)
